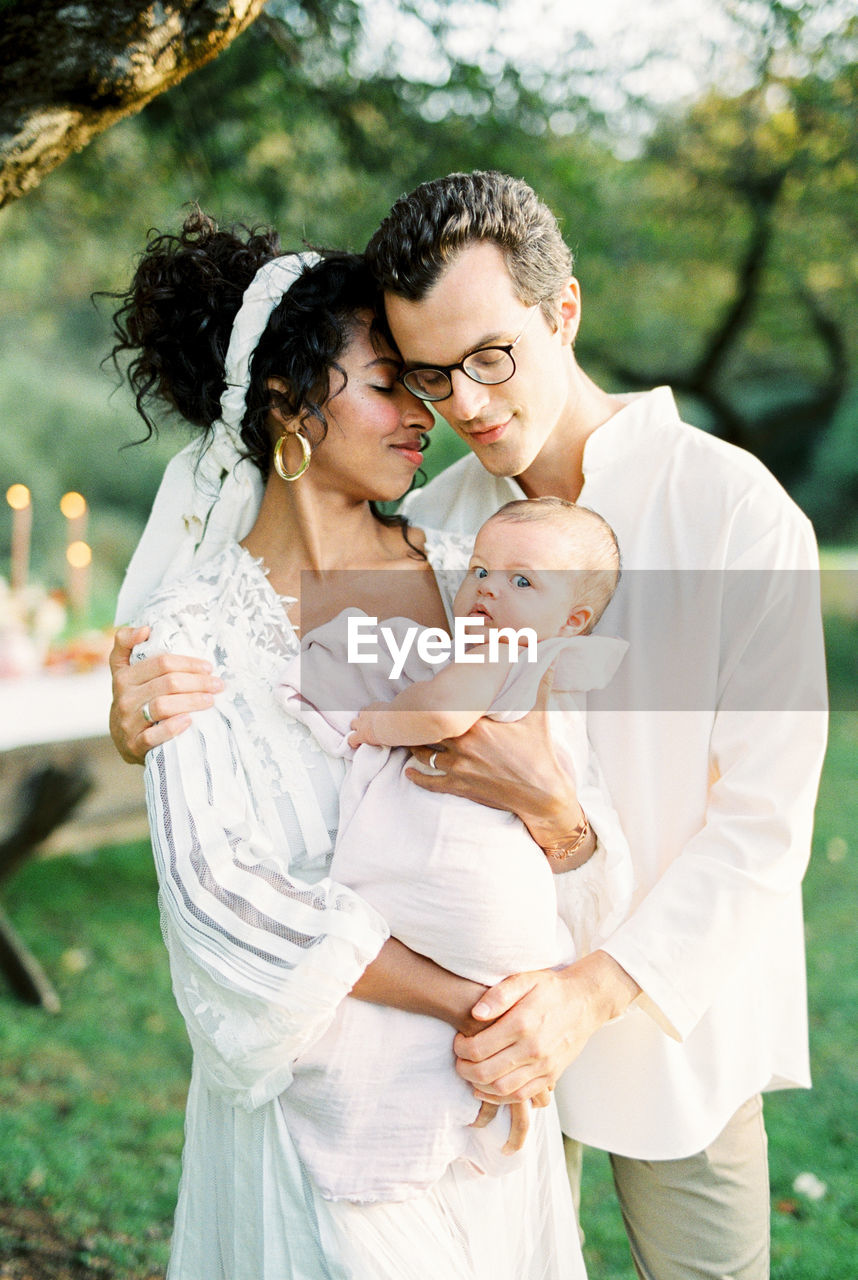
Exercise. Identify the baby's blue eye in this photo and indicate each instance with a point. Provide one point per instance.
(479, 572)
(520, 581)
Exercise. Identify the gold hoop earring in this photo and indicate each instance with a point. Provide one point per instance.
(306, 454)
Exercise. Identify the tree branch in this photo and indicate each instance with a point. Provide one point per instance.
(762, 197)
(831, 335)
(70, 70)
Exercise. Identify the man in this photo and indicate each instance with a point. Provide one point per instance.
(711, 735)
(697, 1003)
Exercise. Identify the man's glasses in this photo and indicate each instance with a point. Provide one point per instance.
(489, 366)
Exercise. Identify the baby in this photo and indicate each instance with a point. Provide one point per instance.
(376, 1107)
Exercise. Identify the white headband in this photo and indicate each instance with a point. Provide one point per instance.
(209, 496)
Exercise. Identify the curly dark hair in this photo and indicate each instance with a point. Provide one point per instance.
(307, 332)
(176, 315)
(175, 319)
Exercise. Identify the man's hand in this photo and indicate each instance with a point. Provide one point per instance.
(542, 1020)
(169, 686)
(509, 766)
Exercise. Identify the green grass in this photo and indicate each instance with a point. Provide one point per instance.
(91, 1101)
(818, 1131)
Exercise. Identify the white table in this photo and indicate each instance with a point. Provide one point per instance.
(53, 708)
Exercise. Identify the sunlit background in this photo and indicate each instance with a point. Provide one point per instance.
(702, 160)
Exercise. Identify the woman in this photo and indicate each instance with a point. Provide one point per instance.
(263, 946)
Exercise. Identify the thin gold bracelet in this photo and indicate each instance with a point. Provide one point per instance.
(560, 850)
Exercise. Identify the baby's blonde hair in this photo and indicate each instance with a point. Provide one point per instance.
(596, 559)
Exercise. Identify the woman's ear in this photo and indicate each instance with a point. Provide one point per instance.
(278, 390)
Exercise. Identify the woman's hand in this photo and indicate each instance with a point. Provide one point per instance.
(509, 766)
(167, 685)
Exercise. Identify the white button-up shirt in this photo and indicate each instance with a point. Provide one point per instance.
(711, 738)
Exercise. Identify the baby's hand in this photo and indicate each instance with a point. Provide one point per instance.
(519, 1122)
(362, 726)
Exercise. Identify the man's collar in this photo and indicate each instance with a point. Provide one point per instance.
(631, 428)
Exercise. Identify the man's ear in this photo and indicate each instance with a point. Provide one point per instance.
(569, 311)
(578, 621)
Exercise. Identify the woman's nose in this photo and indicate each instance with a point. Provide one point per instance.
(416, 412)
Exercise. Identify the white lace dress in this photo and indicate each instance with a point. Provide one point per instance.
(263, 947)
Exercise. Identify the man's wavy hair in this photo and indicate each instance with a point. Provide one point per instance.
(426, 230)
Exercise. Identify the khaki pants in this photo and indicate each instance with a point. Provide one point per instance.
(705, 1217)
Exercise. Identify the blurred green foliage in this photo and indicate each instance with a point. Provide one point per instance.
(716, 247)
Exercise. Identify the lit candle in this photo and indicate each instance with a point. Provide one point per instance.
(79, 557)
(18, 497)
(73, 507)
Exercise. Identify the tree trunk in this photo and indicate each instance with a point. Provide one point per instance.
(70, 70)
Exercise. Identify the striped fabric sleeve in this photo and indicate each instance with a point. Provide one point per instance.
(260, 958)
